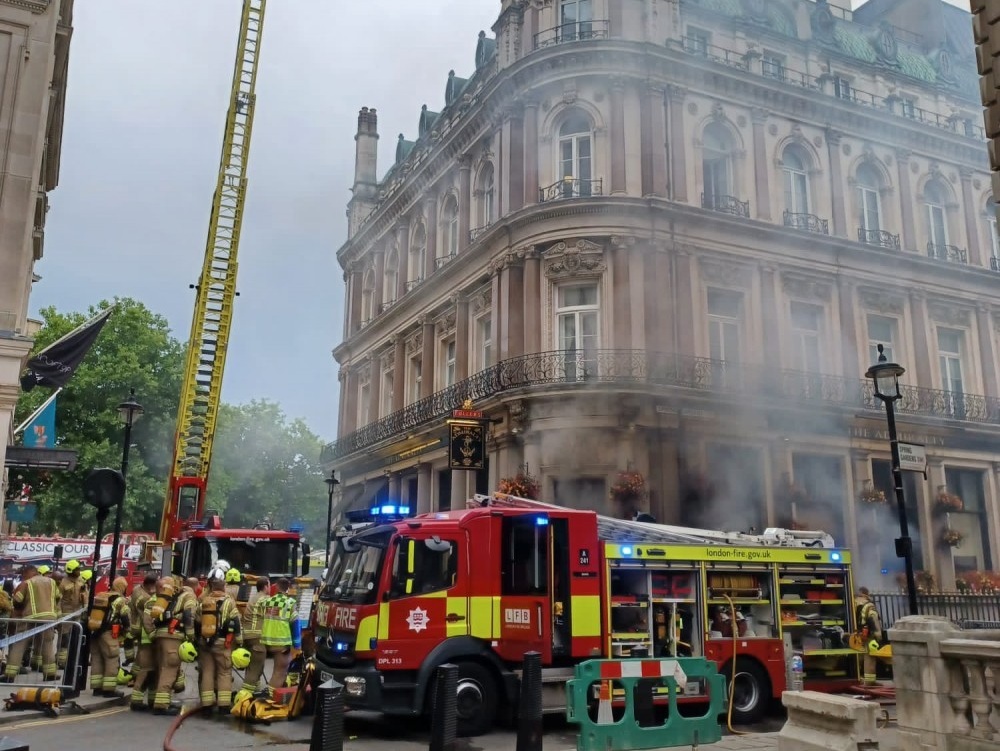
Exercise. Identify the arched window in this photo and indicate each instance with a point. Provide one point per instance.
(390, 278)
(576, 156)
(794, 168)
(448, 245)
(415, 263)
(936, 219)
(368, 297)
(575, 19)
(717, 166)
(869, 183)
(487, 186)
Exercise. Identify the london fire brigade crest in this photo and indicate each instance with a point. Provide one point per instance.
(417, 620)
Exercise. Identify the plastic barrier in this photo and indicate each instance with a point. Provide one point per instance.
(639, 677)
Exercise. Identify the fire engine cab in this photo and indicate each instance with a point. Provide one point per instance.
(482, 586)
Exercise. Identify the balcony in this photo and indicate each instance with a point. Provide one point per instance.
(807, 223)
(878, 237)
(692, 376)
(572, 32)
(386, 305)
(947, 253)
(995, 263)
(444, 260)
(414, 283)
(570, 187)
(726, 205)
(475, 234)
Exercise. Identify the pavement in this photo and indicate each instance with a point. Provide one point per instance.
(108, 724)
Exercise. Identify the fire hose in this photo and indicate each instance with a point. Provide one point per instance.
(732, 678)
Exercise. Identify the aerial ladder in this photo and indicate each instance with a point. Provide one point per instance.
(201, 390)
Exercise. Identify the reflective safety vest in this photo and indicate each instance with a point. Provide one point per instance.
(71, 590)
(38, 598)
(253, 619)
(137, 604)
(278, 611)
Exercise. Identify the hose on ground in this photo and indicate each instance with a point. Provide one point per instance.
(168, 739)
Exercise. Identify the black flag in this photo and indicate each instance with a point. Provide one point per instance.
(55, 365)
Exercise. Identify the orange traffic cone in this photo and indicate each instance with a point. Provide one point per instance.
(604, 716)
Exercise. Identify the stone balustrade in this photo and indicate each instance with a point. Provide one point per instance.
(947, 685)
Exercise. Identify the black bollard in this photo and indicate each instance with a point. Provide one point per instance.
(74, 655)
(529, 704)
(328, 722)
(444, 715)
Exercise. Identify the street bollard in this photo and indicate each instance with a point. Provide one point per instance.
(444, 715)
(328, 722)
(529, 704)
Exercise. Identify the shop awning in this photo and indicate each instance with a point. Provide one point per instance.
(23, 457)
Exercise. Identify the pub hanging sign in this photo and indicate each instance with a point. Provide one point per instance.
(467, 439)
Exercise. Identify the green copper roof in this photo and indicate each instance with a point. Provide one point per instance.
(727, 7)
(916, 65)
(853, 43)
(780, 22)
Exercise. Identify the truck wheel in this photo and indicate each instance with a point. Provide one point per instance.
(476, 699)
(751, 690)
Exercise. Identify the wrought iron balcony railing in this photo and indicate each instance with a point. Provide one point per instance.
(570, 187)
(880, 237)
(656, 370)
(475, 234)
(577, 31)
(414, 283)
(442, 260)
(947, 253)
(726, 205)
(386, 305)
(995, 263)
(807, 222)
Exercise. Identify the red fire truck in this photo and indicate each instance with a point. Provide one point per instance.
(481, 587)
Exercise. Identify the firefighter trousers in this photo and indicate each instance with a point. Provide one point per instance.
(45, 643)
(282, 656)
(65, 635)
(145, 659)
(258, 655)
(104, 662)
(870, 666)
(168, 662)
(215, 682)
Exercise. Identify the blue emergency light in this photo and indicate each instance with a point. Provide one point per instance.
(835, 556)
(541, 521)
(627, 550)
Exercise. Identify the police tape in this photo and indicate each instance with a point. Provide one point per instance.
(31, 632)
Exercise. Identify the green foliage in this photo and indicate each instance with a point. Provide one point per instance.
(262, 464)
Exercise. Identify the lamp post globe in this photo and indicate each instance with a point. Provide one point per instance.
(885, 377)
(331, 483)
(128, 411)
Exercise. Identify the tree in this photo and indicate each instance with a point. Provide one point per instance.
(134, 350)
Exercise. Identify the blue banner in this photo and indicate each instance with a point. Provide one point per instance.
(21, 513)
(40, 433)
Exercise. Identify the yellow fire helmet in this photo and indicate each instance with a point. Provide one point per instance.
(241, 658)
(43, 569)
(188, 652)
(72, 566)
(87, 575)
(233, 576)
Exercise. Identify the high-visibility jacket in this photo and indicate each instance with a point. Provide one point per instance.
(180, 624)
(116, 613)
(279, 612)
(227, 618)
(868, 617)
(137, 605)
(38, 598)
(71, 592)
(252, 621)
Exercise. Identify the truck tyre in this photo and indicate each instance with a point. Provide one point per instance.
(477, 699)
(751, 693)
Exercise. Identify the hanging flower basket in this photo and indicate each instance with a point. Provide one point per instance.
(873, 496)
(945, 502)
(523, 485)
(925, 581)
(630, 486)
(952, 537)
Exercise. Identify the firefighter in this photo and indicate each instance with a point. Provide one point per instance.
(219, 628)
(169, 617)
(36, 598)
(188, 599)
(870, 623)
(280, 631)
(141, 640)
(233, 580)
(253, 618)
(72, 597)
(108, 623)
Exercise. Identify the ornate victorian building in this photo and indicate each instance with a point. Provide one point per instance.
(666, 236)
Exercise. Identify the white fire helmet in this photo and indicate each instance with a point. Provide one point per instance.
(219, 570)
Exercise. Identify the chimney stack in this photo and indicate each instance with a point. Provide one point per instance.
(365, 187)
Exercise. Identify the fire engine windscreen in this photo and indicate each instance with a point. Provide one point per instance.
(354, 574)
(270, 557)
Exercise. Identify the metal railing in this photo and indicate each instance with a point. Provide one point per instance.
(414, 283)
(570, 187)
(880, 237)
(726, 205)
(955, 606)
(443, 260)
(947, 253)
(807, 222)
(578, 31)
(571, 368)
(476, 233)
(386, 305)
(47, 654)
(995, 263)
(698, 46)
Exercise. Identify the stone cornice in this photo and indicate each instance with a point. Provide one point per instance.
(35, 6)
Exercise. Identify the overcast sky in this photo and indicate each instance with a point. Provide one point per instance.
(148, 91)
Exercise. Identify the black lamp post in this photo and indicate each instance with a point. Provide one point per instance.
(331, 483)
(885, 377)
(129, 411)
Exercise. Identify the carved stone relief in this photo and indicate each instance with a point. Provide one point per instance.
(880, 302)
(950, 315)
(724, 273)
(581, 257)
(806, 288)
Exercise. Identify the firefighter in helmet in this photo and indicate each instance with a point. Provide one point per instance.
(37, 598)
(253, 619)
(108, 623)
(169, 618)
(233, 579)
(142, 642)
(72, 597)
(280, 631)
(219, 631)
(868, 620)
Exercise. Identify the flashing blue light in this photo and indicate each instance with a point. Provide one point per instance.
(374, 510)
(542, 521)
(835, 556)
(627, 550)
(296, 527)
(341, 646)
(403, 510)
(388, 509)
(885, 571)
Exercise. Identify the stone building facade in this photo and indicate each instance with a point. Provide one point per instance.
(666, 236)
(34, 62)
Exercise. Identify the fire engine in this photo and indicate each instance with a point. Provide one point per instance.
(482, 586)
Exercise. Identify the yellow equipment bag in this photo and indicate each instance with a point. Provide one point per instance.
(99, 613)
(209, 618)
(265, 710)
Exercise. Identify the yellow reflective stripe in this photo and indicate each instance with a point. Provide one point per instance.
(383, 620)
(481, 617)
(585, 617)
(440, 594)
(367, 630)
(458, 606)
(496, 617)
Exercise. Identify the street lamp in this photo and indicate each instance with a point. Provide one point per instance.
(885, 377)
(128, 411)
(331, 483)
